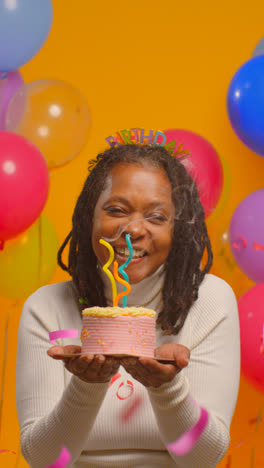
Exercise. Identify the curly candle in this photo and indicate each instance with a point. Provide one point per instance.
(120, 280)
(107, 264)
(122, 267)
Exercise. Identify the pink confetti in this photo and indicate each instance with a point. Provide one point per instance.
(240, 242)
(236, 446)
(128, 412)
(62, 461)
(5, 450)
(128, 385)
(114, 378)
(186, 442)
(257, 246)
(71, 333)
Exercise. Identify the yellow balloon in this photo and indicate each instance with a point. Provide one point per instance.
(28, 261)
(53, 115)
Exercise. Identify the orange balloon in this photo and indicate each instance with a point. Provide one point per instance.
(54, 116)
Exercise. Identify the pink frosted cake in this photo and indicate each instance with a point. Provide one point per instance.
(118, 330)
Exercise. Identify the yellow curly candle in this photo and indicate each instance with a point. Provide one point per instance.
(106, 266)
(120, 280)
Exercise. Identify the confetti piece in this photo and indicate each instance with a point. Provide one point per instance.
(107, 264)
(257, 246)
(129, 385)
(55, 335)
(83, 301)
(125, 265)
(128, 412)
(114, 378)
(236, 446)
(256, 420)
(228, 465)
(62, 461)
(187, 441)
(6, 450)
(240, 242)
(120, 280)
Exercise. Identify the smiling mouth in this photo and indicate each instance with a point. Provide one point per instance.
(124, 252)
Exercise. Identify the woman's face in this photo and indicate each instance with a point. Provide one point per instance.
(136, 200)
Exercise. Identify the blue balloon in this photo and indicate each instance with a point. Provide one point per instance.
(245, 104)
(24, 27)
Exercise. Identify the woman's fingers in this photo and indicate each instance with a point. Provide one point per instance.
(149, 372)
(179, 353)
(92, 368)
(57, 352)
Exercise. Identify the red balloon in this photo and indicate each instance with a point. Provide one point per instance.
(251, 316)
(203, 164)
(24, 184)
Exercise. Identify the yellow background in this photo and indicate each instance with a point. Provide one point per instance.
(150, 64)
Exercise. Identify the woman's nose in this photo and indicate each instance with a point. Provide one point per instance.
(136, 227)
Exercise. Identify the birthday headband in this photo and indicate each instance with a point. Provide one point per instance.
(139, 136)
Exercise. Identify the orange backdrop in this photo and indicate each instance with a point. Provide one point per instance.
(148, 64)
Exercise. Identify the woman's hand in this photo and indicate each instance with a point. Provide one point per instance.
(89, 367)
(152, 373)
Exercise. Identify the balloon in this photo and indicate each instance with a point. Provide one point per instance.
(245, 104)
(203, 164)
(224, 264)
(251, 315)
(24, 27)
(56, 119)
(246, 232)
(259, 49)
(24, 184)
(8, 86)
(28, 261)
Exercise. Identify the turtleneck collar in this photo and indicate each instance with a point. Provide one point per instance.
(146, 293)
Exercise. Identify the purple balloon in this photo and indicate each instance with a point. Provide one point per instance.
(8, 86)
(246, 236)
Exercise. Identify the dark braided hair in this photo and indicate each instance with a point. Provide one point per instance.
(183, 273)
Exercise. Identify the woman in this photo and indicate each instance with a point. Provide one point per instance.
(80, 402)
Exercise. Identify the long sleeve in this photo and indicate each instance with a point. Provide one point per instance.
(51, 414)
(211, 379)
(55, 408)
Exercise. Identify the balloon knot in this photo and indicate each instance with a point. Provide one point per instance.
(2, 244)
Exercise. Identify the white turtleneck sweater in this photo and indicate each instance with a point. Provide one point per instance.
(58, 409)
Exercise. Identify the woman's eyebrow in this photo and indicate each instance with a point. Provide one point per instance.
(158, 204)
(117, 198)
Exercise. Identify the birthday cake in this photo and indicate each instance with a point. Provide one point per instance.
(118, 331)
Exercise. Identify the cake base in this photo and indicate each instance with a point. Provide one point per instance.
(161, 360)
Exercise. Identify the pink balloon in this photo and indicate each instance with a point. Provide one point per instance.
(251, 315)
(8, 87)
(203, 164)
(24, 184)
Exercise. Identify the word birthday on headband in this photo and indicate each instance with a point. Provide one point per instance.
(141, 136)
